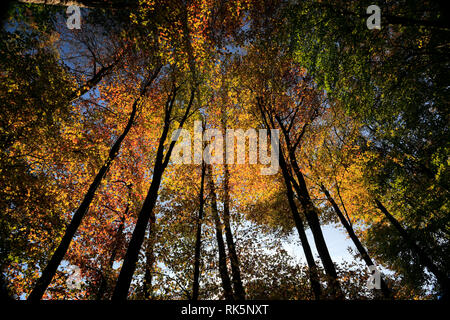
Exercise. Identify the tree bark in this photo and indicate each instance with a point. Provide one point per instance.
(223, 270)
(362, 251)
(307, 206)
(50, 270)
(239, 291)
(313, 273)
(150, 261)
(314, 223)
(424, 260)
(146, 213)
(119, 236)
(235, 270)
(198, 239)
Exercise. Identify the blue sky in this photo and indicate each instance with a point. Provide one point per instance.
(336, 239)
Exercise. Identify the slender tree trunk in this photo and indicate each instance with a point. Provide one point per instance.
(131, 256)
(150, 261)
(223, 270)
(362, 251)
(198, 239)
(147, 213)
(313, 272)
(119, 236)
(314, 224)
(235, 269)
(308, 207)
(424, 260)
(50, 270)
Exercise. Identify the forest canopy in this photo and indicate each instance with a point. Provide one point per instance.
(166, 150)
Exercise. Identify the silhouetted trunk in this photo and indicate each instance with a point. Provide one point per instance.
(442, 278)
(239, 291)
(307, 205)
(314, 224)
(313, 273)
(198, 239)
(117, 242)
(235, 270)
(149, 262)
(146, 213)
(223, 270)
(50, 270)
(362, 251)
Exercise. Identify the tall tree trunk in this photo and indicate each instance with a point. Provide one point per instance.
(146, 213)
(362, 251)
(239, 291)
(223, 270)
(50, 270)
(119, 236)
(313, 272)
(307, 205)
(235, 270)
(314, 224)
(198, 239)
(150, 261)
(424, 259)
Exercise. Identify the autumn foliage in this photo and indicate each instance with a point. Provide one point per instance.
(87, 176)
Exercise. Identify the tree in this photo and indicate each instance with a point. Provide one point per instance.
(198, 240)
(58, 255)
